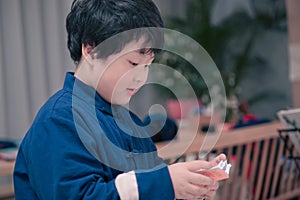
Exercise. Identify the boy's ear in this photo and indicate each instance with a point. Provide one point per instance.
(86, 49)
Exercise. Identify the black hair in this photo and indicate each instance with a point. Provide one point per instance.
(91, 22)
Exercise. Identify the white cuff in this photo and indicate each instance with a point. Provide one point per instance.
(127, 187)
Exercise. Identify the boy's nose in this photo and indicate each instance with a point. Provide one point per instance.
(140, 75)
(137, 79)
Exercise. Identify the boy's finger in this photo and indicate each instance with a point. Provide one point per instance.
(202, 180)
(198, 165)
(218, 159)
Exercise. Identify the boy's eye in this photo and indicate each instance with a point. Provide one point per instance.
(133, 63)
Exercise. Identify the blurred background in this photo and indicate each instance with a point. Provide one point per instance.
(254, 43)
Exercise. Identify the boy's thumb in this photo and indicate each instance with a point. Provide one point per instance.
(218, 159)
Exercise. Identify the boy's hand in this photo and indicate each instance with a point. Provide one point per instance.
(188, 184)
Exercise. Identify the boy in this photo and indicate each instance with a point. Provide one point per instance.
(83, 143)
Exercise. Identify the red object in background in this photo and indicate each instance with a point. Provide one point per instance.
(249, 117)
(179, 109)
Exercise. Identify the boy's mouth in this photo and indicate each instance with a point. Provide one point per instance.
(131, 91)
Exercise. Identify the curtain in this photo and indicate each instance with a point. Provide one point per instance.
(33, 59)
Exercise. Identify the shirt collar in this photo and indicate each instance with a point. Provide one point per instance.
(86, 93)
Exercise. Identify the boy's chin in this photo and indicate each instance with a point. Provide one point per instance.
(121, 101)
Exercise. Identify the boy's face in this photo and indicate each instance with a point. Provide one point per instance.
(124, 76)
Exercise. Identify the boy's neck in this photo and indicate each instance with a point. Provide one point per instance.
(85, 73)
(82, 75)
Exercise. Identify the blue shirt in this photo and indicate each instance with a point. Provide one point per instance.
(79, 143)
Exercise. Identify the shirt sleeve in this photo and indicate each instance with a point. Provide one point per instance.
(22, 187)
(155, 184)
